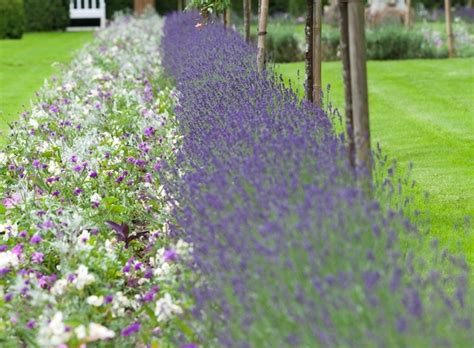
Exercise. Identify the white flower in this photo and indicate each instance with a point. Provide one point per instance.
(119, 304)
(54, 333)
(83, 278)
(69, 86)
(95, 301)
(59, 287)
(99, 332)
(80, 332)
(54, 168)
(84, 236)
(165, 308)
(95, 198)
(3, 159)
(163, 270)
(8, 259)
(183, 248)
(33, 123)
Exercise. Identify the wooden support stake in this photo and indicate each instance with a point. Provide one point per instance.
(262, 34)
(449, 28)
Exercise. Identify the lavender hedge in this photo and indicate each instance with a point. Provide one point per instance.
(290, 251)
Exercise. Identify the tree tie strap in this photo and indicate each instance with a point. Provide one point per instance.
(261, 33)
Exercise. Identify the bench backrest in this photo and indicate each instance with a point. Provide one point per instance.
(81, 9)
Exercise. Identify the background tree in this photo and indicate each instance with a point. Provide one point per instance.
(359, 94)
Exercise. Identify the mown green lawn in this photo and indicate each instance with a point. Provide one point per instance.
(421, 111)
(25, 63)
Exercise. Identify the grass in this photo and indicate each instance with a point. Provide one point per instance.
(421, 111)
(25, 63)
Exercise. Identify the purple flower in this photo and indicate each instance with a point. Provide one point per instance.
(77, 191)
(4, 271)
(77, 168)
(3, 248)
(170, 256)
(131, 329)
(31, 324)
(108, 299)
(37, 257)
(53, 108)
(36, 163)
(157, 166)
(93, 174)
(149, 132)
(8, 297)
(36, 239)
(18, 249)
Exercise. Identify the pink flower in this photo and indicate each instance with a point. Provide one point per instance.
(13, 201)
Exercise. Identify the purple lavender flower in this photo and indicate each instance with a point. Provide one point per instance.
(131, 329)
(36, 239)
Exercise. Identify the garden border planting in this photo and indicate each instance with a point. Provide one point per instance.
(85, 251)
(291, 252)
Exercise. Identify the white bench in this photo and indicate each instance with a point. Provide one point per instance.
(88, 9)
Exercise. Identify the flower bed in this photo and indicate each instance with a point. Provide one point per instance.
(291, 251)
(85, 252)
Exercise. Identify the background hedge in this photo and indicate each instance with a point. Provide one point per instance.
(11, 19)
(46, 15)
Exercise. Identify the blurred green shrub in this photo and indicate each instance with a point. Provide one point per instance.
(395, 42)
(112, 6)
(387, 42)
(46, 15)
(282, 47)
(12, 19)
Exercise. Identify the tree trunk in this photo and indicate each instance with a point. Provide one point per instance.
(449, 28)
(346, 74)
(408, 14)
(309, 50)
(180, 5)
(139, 6)
(360, 105)
(262, 34)
(247, 19)
(317, 18)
